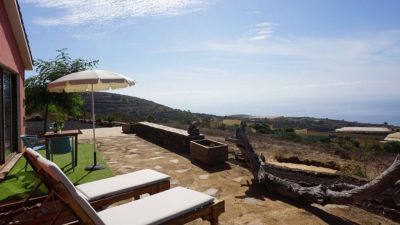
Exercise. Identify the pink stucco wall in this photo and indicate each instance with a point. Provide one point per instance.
(10, 59)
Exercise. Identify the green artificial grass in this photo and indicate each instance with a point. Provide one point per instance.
(19, 183)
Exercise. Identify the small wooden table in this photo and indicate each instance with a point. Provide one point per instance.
(63, 133)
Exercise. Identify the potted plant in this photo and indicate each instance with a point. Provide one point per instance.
(59, 118)
(58, 126)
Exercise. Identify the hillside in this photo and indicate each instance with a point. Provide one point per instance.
(128, 108)
(317, 124)
(311, 123)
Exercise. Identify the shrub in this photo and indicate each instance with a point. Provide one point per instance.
(262, 128)
(150, 118)
(231, 128)
(392, 147)
(283, 134)
(109, 118)
(376, 147)
(289, 130)
(316, 138)
(353, 169)
(349, 144)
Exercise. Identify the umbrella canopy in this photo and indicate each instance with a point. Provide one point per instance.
(82, 81)
(90, 80)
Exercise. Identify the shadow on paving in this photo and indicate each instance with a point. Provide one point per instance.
(211, 169)
(208, 168)
(258, 191)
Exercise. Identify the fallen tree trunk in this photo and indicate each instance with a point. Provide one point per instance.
(320, 194)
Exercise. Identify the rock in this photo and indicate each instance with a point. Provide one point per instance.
(182, 171)
(211, 191)
(203, 177)
(158, 157)
(158, 167)
(251, 201)
(256, 222)
(174, 161)
(128, 167)
(175, 182)
(108, 152)
(132, 151)
(238, 179)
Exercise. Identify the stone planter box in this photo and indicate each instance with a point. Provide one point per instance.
(208, 151)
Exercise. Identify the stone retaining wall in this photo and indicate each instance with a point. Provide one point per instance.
(172, 138)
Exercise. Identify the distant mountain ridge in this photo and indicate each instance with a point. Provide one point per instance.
(128, 108)
(312, 123)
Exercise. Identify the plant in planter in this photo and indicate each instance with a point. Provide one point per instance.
(58, 126)
(59, 118)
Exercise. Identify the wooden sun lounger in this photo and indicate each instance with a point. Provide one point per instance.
(110, 190)
(99, 193)
(175, 206)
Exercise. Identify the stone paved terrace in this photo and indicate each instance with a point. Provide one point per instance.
(245, 202)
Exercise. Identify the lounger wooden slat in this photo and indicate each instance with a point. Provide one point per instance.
(175, 206)
(152, 187)
(97, 204)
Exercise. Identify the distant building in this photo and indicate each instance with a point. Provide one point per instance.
(364, 130)
(393, 137)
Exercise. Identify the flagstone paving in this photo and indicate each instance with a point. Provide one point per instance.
(245, 202)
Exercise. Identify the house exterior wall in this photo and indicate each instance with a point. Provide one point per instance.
(11, 60)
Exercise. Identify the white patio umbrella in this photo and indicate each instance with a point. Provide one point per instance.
(90, 80)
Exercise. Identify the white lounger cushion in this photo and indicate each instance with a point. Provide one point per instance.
(53, 170)
(122, 183)
(157, 208)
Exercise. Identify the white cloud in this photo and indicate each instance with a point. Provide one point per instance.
(260, 31)
(381, 48)
(264, 24)
(305, 73)
(75, 12)
(266, 92)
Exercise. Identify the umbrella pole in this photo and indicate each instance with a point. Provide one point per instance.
(95, 166)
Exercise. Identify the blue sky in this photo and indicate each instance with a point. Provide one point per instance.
(336, 59)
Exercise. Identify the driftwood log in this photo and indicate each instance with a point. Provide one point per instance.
(340, 193)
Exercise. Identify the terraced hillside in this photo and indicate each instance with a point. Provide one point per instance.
(128, 108)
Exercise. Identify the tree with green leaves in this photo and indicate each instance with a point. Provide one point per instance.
(38, 99)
